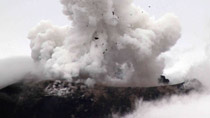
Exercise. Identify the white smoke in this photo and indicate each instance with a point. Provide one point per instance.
(188, 106)
(192, 63)
(90, 82)
(110, 41)
(14, 69)
(188, 63)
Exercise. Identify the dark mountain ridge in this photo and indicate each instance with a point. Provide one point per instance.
(63, 99)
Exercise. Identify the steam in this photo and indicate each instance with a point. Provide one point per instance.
(193, 105)
(14, 69)
(189, 106)
(110, 41)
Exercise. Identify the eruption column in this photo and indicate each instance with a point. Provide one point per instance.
(110, 41)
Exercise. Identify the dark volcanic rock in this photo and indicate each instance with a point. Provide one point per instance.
(62, 99)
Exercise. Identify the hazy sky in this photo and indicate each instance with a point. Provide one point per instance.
(18, 17)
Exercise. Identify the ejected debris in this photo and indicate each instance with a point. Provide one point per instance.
(96, 38)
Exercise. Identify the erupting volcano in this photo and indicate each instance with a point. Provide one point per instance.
(108, 62)
(112, 42)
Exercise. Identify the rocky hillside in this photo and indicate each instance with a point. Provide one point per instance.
(62, 99)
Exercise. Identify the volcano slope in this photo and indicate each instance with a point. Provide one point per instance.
(62, 99)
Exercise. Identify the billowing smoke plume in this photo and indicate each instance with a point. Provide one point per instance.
(110, 41)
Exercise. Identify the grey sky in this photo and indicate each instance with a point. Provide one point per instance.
(18, 17)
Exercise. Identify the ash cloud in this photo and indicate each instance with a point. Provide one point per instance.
(110, 41)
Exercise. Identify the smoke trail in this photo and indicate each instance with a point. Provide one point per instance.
(110, 41)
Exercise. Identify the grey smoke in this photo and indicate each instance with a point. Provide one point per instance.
(110, 41)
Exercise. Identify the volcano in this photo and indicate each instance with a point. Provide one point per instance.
(64, 99)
